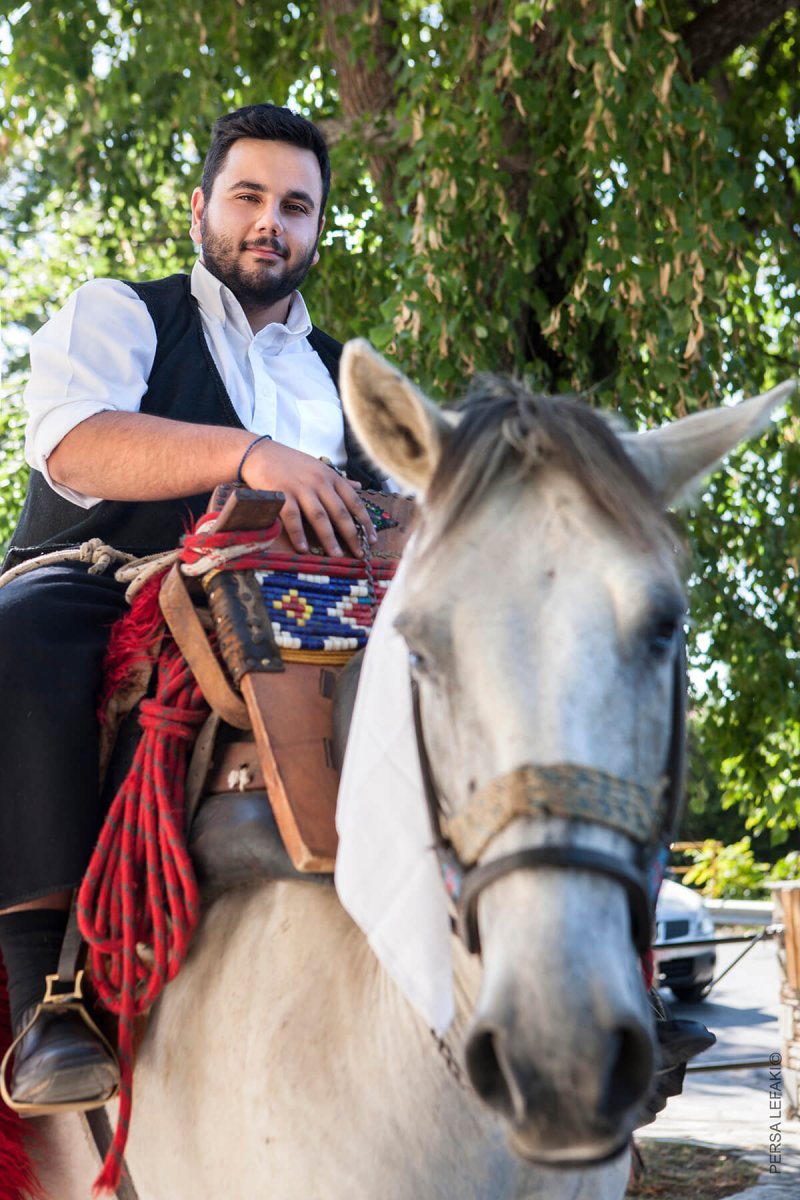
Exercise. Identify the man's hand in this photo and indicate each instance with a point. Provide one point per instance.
(314, 491)
(136, 456)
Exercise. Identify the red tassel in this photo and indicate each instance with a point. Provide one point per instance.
(134, 640)
(17, 1174)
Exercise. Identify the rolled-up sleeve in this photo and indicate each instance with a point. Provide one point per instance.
(95, 355)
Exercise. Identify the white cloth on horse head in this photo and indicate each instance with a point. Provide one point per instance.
(387, 874)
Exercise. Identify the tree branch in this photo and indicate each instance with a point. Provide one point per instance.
(376, 134)
(716, 32)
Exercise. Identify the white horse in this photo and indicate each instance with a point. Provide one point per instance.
(542, 611)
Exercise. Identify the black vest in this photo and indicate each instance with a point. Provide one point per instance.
(184, 385)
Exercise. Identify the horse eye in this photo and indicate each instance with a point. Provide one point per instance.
(663, 636)
(416, 662)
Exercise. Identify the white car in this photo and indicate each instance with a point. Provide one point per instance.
(681, 916)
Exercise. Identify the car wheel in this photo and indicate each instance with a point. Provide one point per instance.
(693, 993)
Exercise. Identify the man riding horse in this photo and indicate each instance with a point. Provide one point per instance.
(142, 397)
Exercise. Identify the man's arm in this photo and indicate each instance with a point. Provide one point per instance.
(135, 456)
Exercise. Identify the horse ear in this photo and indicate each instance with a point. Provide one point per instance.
(680, 455)
(399, 428)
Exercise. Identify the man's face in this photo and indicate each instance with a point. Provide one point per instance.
(260, 227)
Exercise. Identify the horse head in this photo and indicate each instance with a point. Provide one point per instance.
(543, 609)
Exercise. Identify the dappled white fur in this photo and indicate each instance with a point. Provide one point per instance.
(67, 1162)
(566, 676)
(403, 431)
(310, 1075)
(283, 1061)
(677, 457)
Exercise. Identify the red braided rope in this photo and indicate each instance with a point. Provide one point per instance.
(199, 544)
(140, 886)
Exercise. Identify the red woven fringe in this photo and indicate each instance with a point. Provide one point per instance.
(134, 640)
(140, 886)
(197, 544)
(17, 1175)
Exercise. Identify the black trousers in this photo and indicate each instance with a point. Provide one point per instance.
(54, 628)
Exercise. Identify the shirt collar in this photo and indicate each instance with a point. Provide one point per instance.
(219, 302)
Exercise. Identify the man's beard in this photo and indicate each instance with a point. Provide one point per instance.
(266, 282)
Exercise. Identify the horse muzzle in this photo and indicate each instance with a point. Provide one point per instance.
(563, 1110)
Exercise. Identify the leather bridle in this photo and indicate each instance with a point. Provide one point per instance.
(649, 817)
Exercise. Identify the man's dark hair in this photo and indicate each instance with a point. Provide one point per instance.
(269, 123)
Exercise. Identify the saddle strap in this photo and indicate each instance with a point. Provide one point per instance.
(103, 1136)
(70, 963)
(73, 948)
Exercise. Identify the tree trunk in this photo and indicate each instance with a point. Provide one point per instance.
(716, 32)
(366, 87)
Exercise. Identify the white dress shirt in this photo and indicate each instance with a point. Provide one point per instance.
(96, 353)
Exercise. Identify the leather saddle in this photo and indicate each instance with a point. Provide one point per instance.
(233, 834)
(263, 778)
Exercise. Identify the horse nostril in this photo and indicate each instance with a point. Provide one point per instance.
(487, 1070)
(628, 1071)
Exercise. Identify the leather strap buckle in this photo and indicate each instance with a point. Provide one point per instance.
(66, 999)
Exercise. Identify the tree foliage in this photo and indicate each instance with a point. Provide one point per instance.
(733, 872)
(601, 196)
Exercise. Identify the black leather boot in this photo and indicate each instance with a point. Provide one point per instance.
(61, 1062)
(678, 1041)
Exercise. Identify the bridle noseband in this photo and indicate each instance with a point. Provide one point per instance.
(648, 816)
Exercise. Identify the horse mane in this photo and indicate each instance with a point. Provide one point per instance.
(505, 432)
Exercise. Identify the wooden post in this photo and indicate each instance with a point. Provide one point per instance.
(787, 913)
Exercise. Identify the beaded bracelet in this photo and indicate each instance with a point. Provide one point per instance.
(262, 438)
